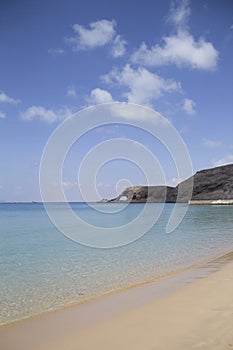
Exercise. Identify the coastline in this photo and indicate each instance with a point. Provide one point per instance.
(44, 281)
(72, 324)
(202, 264)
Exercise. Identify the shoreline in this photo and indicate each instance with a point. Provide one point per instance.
(200, 264)
(75, 319)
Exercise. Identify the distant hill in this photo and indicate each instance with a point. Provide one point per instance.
(208, 184)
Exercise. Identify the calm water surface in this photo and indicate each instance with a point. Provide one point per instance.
(41, 270)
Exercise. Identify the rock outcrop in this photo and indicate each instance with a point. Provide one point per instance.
(208, 184)
(215, 183)
(153, 194)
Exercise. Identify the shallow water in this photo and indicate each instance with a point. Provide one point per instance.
(41, 269)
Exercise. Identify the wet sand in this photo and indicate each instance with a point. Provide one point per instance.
(190, 310)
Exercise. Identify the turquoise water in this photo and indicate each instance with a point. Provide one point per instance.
(41, 270)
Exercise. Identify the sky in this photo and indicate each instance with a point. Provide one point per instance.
(60, 57)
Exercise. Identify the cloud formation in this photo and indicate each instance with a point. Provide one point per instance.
(180, 49)
(2, 115)
(99, 34)
(179, 12)
(189, 106)
(99, 96)
(142, 85)
(119, 46)
(46, 115)
(4, 98)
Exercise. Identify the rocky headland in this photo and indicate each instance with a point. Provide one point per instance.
(208, 185)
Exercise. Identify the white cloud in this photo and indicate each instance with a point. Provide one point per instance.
(142, 85)
(71, 92)
(179, 12)
(117, 111)
(189, 106)
(7, 99)
(99, 34)
(99, 96)
(180, 49)
(211, 143)
(2, 115)
(118, 48)
(47, 115)
(56, 52)
(228, 159)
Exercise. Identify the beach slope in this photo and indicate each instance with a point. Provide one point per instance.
(197, 316)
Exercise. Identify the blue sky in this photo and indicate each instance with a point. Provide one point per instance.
(58, 57)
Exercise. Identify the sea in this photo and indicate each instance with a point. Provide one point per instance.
(41, 269)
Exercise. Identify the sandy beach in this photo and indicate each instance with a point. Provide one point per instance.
(196, 313)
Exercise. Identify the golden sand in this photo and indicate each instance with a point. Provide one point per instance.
(195, 315)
